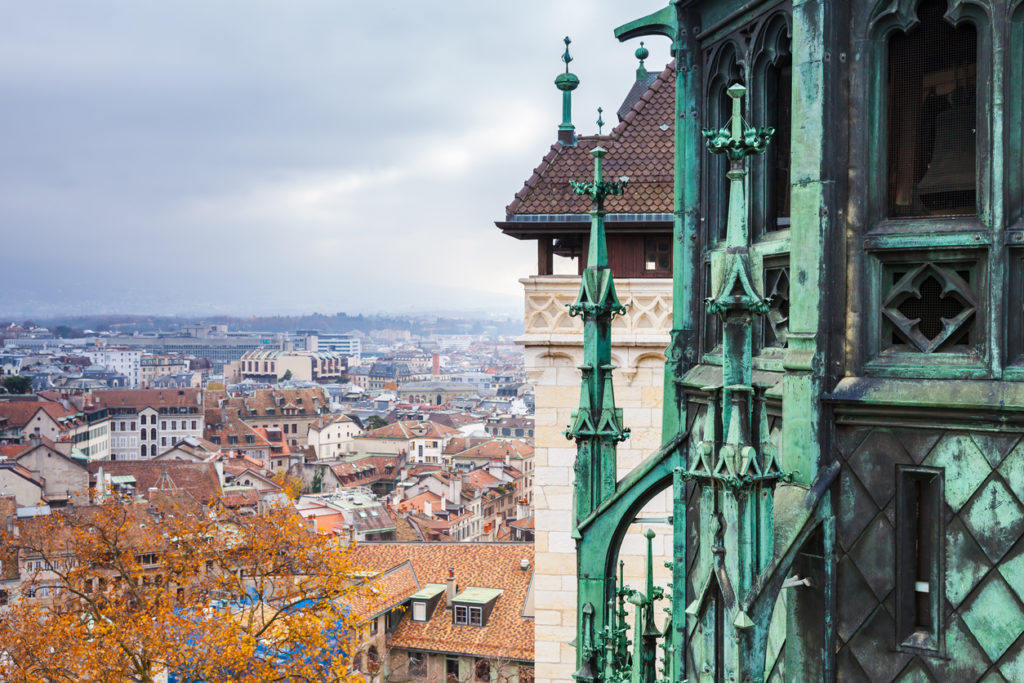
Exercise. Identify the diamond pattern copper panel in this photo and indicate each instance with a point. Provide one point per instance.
(852, 613)
(918, 443)
(994, 616)
(915, 672)
(969, 664)
(875, 462)
(855, 510)
(878, 662)
(967, 467)
(1012, 664)
(995, 446)
(873, 555)
(1012, 569)
(1012, 469)
(994, 518)
(983, 613)
(966, 563)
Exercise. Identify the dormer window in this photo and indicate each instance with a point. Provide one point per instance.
(469, 616)
(473, 606)
(424, 602)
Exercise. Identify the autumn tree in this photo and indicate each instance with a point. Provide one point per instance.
(134, 591)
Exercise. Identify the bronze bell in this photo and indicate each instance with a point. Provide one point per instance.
(949, 182)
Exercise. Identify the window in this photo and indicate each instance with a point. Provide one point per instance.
(143, 434)
(919, 537)
(932, 133)
(451, 669)
(468, 616)
(417, 665)
(658, 253)
(419, 611)
(482, 670)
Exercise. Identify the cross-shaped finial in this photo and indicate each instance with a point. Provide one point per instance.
(599, 189)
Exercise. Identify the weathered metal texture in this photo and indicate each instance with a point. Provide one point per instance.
(981, 615)
(898, 543)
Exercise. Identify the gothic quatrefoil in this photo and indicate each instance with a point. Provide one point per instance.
(929, 305)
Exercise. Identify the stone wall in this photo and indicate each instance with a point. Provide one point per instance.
(553, 344)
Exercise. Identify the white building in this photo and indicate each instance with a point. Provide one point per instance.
(121, 360)
(331, 436)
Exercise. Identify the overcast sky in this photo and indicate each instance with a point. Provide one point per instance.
(285, 156)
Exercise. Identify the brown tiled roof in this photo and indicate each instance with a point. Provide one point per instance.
(496, 450)
(389, 590)
(18, 413)
(462, 443)
(151, 398)
(198, 479)
(640, 147)
(306, 402)
(507, 634)
(409, 429)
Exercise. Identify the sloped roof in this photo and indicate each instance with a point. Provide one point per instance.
(198, 479)
(496, 450)
(147, 398)
(640, 147)
(409, 429)
(18, 413)
(507, 634)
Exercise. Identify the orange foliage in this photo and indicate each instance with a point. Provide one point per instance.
(292, 485)
(132, 591)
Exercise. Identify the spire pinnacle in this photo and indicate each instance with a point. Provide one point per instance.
(642, 53)
(567, 82)
(600, 121)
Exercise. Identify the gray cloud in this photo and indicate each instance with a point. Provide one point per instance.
(257, 156)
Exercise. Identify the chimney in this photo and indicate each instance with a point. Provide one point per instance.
(428, 508)
(444, 505)
(449, 593)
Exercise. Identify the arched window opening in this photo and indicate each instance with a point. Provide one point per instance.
(779, 87)
(932, 136)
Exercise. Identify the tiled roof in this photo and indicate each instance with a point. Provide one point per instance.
(640, 147)
(389, 590)
(18, 413)
(143, 398)
(419, 503)
(328, 420)
(507, 634)
(409, 429)
(198, 479)
(496, 450)
(261, 401)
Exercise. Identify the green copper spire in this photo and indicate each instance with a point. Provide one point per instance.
(642, 53)
(596, 423)
(600, 121)
(567, 82)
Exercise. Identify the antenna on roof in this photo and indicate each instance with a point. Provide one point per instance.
(567, 82)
